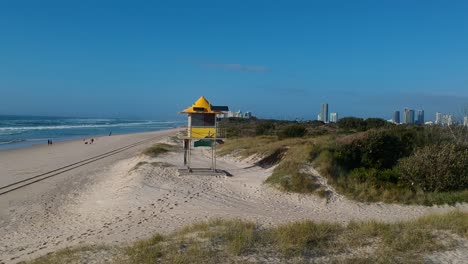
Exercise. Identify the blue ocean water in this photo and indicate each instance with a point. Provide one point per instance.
(22, 131)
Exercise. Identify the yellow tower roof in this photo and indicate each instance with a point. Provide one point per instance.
(200, 106)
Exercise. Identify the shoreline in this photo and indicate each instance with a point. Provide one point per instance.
(34, 143)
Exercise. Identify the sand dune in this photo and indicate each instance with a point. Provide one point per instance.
(135, 196)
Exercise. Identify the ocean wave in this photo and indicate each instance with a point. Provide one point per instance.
(10, 133)
(12, 141)
(81, 126)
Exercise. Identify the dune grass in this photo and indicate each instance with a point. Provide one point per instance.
(154, 164)
(236, 241)
(158, 149)
(205, 242)
(72, 255)
(289, 175)
(247, 146)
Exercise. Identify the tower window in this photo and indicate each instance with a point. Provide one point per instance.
(203, 120)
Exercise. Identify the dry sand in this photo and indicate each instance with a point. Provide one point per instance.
(113, 202)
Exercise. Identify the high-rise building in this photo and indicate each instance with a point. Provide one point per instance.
(438, 120)
(420, 117)
(324, 113)
(333, 117)
(406, 116)
(411, 117)
(396, 117)
(319, 117)
(465, 121)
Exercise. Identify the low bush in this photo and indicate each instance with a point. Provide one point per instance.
(354, 123)
(266, 128)
(291, 131)
(375, 123)
(380, 150)
(436, 168)
(375, 176)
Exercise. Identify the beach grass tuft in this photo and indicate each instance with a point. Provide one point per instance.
(158, 149)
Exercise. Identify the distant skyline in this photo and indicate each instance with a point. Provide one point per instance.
(281, 59)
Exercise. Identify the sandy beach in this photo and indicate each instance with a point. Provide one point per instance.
(130, 196)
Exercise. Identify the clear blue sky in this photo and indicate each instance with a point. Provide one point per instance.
(278, 59)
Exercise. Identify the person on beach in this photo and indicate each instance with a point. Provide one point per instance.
(92, 140)
(110, 133)
(48, 142)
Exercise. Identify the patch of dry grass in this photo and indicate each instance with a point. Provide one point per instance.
(158, 149)
(73, 255)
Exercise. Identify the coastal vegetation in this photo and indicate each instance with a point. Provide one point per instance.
(367, 160)
(157, 149)
(237, 241)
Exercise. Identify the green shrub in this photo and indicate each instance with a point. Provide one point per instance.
(291, 131)
(375, 176)
(375, 123)
(352, 123)
(266, 128)
(380, 150)
(349, 156)
(233, 132)
(437, 168)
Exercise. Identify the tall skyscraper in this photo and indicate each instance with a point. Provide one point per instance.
(421, 117)
(438, 120)
(411, 117)
(333, 117)
(324, 113)
(396, 117)
(408, 116)
(405, 115)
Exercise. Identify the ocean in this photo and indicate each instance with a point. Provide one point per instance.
(24, 131)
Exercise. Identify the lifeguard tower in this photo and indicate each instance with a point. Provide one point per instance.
(202, 131)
